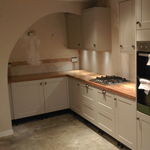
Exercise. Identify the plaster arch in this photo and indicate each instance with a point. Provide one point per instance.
(15, 17)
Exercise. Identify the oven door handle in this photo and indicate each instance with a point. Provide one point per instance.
(143, 54)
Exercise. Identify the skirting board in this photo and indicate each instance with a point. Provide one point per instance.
(6, 133)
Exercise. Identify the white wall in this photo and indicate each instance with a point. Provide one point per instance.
(15, 18)
(49, 42)
(113, 62)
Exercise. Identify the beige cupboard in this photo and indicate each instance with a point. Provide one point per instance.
(127, 25)
(40, 96)
(73, 24)
(143, 20)
(143, 131)
(114, 114)
(96, 29)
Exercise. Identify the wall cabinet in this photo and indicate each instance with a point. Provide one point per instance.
(143, 20)
(75, 96)
(73, 24)
(96, 29)
(127, 25)
(126, 121)
(39, 96)
(143, 131)
(143, 11)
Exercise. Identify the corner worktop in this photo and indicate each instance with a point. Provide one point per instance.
(126, 89)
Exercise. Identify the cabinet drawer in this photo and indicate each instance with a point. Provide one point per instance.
(88, 93)
(106, 101)
(106, 121)
(89, 112)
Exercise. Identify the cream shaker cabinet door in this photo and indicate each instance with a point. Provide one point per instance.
(127, 26)
(126, 121)
(73, 24)
(143, 131)
(96, 29)
(143, 14)
(106, 101)
(75, 96)
(55, 94)
(28, 99)
(89, 29)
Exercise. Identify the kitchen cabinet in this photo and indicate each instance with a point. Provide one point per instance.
(40, 96)
(126, 121)
(106, 111)
(96, 29)
(88, 103)
(143, 131)
(143, 17)
(55, 94)
(143, 20)
(73, 24)
(28, 98)
(75, 96)
(127, 26)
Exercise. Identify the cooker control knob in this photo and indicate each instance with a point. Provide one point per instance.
(145, 46)
(141, 46)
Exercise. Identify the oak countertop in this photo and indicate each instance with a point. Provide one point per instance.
(125, 89)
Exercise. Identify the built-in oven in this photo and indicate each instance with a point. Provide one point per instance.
(143, 72)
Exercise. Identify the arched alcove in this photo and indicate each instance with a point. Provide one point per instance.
(43, 47)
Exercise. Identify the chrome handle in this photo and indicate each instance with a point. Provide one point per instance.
(103, 91)
(87, 85)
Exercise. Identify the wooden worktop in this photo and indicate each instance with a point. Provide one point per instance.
(125, 89)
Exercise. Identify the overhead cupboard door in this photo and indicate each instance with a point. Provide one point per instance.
(143, 14)
(126, 26)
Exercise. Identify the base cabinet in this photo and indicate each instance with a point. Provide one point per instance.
(55, 94)
(143, 131)
(28, 99)
(126, 121)
(75, 96)
(40, 96)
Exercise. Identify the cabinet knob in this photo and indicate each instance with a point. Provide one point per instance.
(137, 22)
(133, 46)
(40, 83)
(138, 118)
(78, 44)
(45, 83)
(103, 91)
(115, 99)
(121, 46)
(87, 85)
(94, 45)
(78, 84)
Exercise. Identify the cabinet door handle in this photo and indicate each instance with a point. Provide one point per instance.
(45, 83)
(40, 83)
(87, 85)
(133, 46)
(138, 23)
(104, 92)
(94, 45)
(138, 118)
(115, 99)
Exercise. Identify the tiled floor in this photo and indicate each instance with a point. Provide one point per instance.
(61, 131)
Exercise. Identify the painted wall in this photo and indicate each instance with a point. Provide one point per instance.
(113, 62)
(45, 49)
(15, 18)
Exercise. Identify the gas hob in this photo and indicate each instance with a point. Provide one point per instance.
(109, 80)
